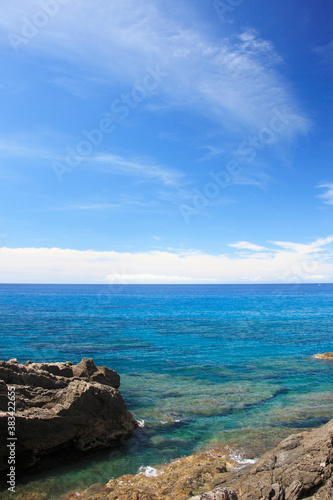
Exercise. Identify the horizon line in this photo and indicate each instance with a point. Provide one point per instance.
(169, 284)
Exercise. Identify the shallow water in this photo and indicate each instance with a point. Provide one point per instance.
(199, 364)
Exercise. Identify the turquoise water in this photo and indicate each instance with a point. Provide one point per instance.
(199, 364)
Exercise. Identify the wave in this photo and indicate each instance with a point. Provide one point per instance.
(149, 471)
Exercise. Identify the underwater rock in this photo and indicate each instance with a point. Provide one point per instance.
(61, 406)
(325, 355)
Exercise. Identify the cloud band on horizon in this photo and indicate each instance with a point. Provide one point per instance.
(286, 262)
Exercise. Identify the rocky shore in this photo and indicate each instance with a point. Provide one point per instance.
(176, 481)
(61, 407)
(65, 407)
(301, 466)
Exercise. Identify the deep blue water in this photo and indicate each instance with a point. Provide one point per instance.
(200, 364)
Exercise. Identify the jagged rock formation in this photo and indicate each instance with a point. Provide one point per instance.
(61, 406)
(301, 466)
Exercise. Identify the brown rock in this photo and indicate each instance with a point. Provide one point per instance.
(294, 491)
(299, 467)
(61, 406)
(176, 481)
(219, 494)
(325, 355)
(95, 488)
(277, 492)
(86, 369)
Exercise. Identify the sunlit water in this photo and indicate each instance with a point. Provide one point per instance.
(199, 364)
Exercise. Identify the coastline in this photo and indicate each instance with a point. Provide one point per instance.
(301, 466)
(205, 461)
(186, 475)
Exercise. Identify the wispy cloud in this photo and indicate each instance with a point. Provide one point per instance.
(290, 263)
(19, 148)
(79, 86)
(212, 152)
(288, 251)
(325, 52)
(327, 197)
(121, 204)
(316, 246)
(234, 80)
(140, 167)
(93, 206)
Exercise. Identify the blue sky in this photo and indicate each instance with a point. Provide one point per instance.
(166, 142)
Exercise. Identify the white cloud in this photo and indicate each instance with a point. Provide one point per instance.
(315, 277)
(145, 278)
(254, 279)
(327, 197)
(245, 245)
(316, 246)
(291, 263)
(234, 80)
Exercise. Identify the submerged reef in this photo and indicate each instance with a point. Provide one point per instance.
(62, 407)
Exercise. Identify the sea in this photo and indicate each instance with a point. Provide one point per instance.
(201, 365)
